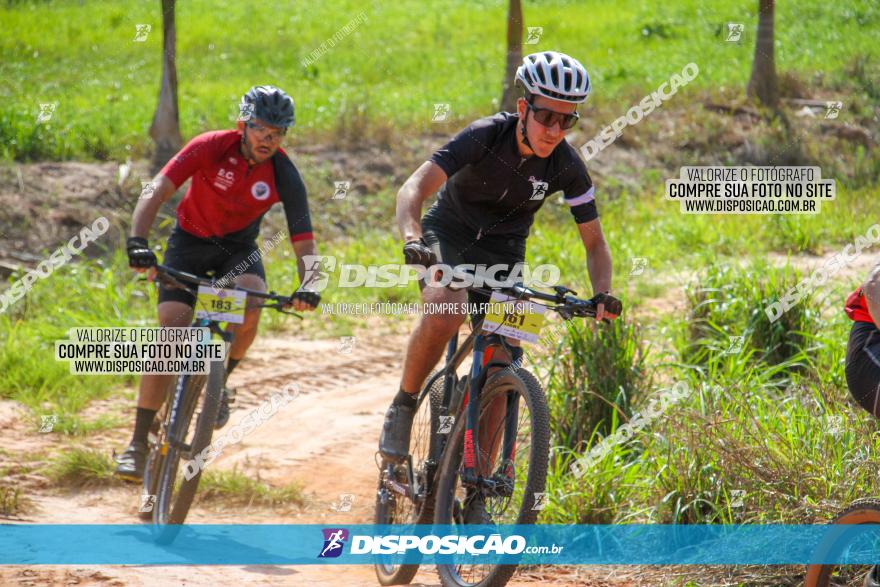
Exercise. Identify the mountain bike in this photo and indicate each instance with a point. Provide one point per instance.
(865, 511)
(189, 413)
(483, 437)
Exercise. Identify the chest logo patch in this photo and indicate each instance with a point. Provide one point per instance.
(260, 190)
(539, 188)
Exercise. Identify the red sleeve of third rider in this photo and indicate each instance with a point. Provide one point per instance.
(188, 160)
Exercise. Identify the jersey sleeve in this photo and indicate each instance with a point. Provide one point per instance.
(468, 146)
(292, 193)
(579, 192)
(193, 156)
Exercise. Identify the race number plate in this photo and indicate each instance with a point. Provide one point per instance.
(514, 318)
(222, 305)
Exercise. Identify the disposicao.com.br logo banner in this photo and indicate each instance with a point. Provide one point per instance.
(30, 544)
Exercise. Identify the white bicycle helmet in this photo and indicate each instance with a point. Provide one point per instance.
(554, 75)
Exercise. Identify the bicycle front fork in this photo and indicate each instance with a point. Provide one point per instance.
(471, 475)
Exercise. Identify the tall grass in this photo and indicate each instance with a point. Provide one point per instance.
(767, 434)
(596, 381)
(728, 314)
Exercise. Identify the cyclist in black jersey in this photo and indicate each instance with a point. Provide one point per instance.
(492, 179)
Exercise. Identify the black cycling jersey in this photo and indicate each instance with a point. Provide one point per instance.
(492, 189)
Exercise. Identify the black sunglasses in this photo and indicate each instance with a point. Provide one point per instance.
(549, 117)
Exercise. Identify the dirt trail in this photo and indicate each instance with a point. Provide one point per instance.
(325, 439)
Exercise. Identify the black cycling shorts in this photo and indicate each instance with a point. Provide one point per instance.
(455, 244)
(863, 365)
(215, 257)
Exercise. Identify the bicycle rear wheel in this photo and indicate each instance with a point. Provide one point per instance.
(861, 512)
(393, 505)
(176, 490)
(524, 474)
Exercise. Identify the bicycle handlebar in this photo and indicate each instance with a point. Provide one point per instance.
(567, 306)
(180, 279)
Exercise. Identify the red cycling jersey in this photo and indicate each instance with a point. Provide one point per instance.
(857, 308)
(227, 196)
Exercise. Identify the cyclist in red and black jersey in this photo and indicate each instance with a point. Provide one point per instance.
(863, 358)
(237, 175)
(863, 349)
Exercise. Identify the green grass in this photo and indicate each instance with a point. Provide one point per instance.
(237, 489)
(77, 467)
(13, 501)
(105, 84)
(765, 436)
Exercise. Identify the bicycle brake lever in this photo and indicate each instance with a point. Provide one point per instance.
(561, 290)
(279, 307)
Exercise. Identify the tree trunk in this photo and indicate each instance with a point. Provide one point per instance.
(763, 84)
(514, 55)
(165, 129)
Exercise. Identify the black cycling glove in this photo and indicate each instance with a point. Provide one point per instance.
(139, 254)
(417, 252)
(312, 298)
(613, 306)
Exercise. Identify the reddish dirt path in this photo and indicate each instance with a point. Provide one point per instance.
(325, 440)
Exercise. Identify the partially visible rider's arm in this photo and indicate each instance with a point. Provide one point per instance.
(426, 180)
(598, 255)
(871, 289)
(148, 207)
(303, 247)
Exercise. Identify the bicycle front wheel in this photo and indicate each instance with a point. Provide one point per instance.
(176, 489)
(512, 450)
(862, 512)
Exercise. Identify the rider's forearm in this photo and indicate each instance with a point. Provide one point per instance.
(304, 247)
(409, 211)
(426, 180)
(599, 267)
(148, 207)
